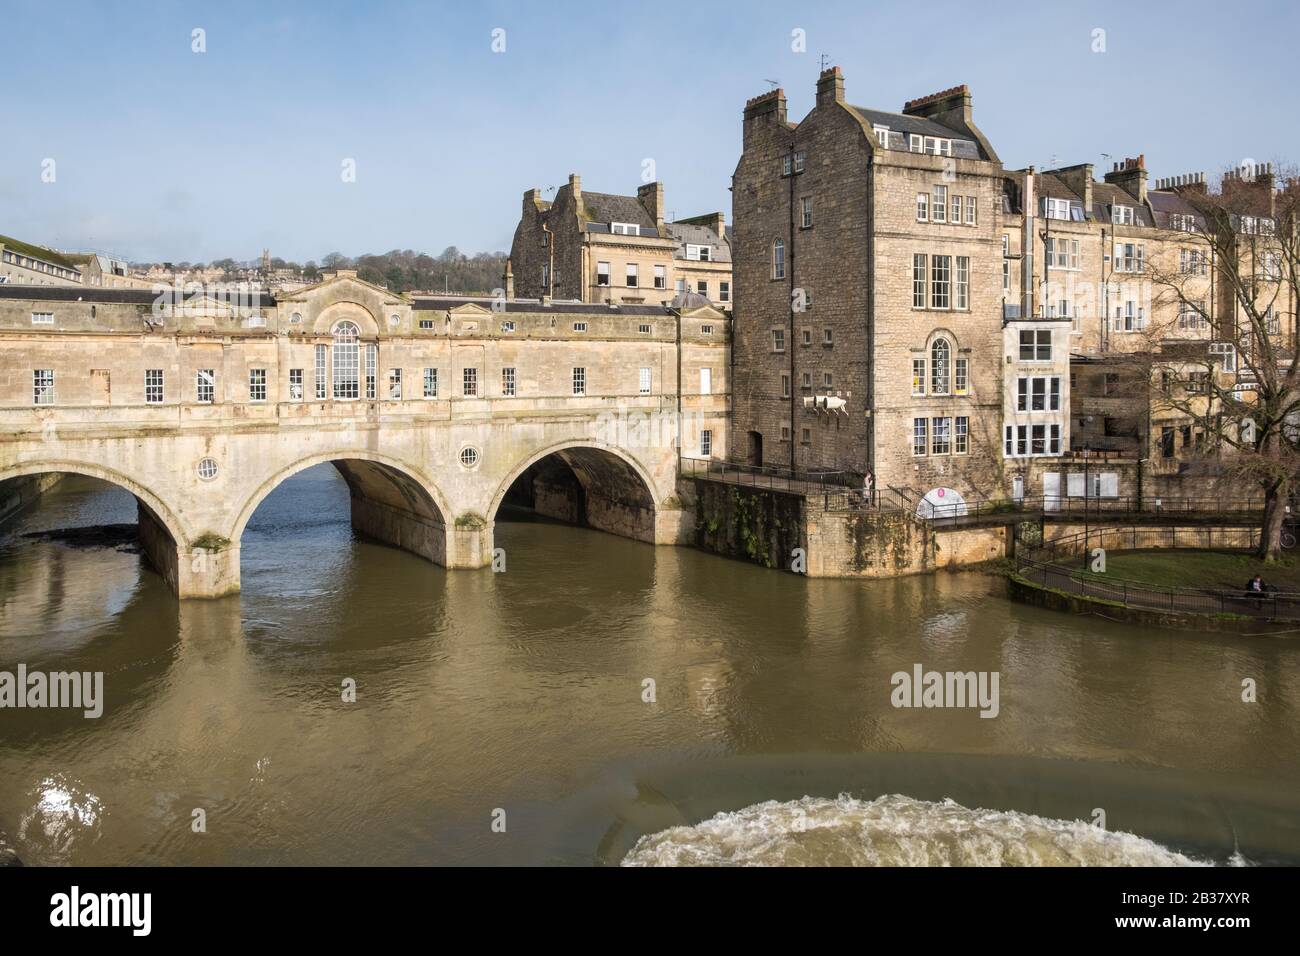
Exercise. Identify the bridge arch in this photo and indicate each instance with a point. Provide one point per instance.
(614, 491)
(391, 501)
(163, 536)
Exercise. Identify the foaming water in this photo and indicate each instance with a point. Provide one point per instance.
(893, 830)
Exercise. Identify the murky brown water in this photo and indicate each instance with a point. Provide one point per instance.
(523, 692)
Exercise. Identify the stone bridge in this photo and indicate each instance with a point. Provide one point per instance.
(431, 409)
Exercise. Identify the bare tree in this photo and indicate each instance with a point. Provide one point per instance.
(1235, 282)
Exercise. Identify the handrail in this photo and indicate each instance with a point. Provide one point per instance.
(765, 476)
(1044, 563)
(1061, 504)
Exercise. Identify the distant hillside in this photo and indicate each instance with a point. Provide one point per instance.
(401, 270)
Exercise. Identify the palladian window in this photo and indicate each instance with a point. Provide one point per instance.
(347, 360)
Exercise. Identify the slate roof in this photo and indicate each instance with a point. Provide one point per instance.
(685, 232)
(1046, 184)
(77, 293)
(1105, 195)
(606, 208)
(900, 125)
(1165, 204)
(442, 304)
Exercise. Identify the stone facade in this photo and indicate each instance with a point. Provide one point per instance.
(600, 247)
(836, 340)
(907, 309)
(429, 407)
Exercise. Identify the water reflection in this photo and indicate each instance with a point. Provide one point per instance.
(524, 691)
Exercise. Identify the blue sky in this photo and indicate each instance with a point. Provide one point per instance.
(163, 153)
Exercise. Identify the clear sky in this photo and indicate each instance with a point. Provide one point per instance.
(162, 153)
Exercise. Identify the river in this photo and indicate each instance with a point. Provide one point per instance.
(604, 701)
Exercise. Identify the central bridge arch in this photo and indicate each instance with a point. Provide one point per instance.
(588, 483)
(391, 501)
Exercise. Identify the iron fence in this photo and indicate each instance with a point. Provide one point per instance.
(768, 476)
(1045, 566)
(975, 509)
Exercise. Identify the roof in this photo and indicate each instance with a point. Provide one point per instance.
(697, 235)
(963, 147)
(442, 304)
(687, 301)
(606, 208)
(1105, 195)
(1165, 204)
(1046, 184)
(76, 293)
(36, 252)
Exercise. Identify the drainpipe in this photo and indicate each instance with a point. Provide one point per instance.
(871, 323)
(678, 313)
(550, 266)
(1027, 249)
(790, 303)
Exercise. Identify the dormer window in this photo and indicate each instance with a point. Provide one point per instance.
(882, 135)
(915, 143)
(1065, 209)
(697, 253)
(624, 229)
(1121, 215)
(938, 147)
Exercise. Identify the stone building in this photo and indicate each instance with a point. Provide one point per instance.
(601, 247)
(869, 333)
(1130, 268)
(23, 263)
(908, 309)
(434, 409)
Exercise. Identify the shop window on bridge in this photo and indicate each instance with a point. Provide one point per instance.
(430, 383)
(205, 386)
(347, 361)
(295, 385)
(372, 370)
(43, 386)
(394, 384)
(321, 371)
(153, 386)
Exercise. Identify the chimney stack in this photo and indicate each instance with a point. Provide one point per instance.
(767, 108)
(830, 87)
(652, 198)
(1131, 176)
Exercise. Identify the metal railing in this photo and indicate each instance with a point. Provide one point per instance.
(1045, 566)
(768, 476)
(882, 499)
(974, 510)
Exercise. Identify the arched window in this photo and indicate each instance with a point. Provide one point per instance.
(347, 360)
(940, 367)
(778, 259)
